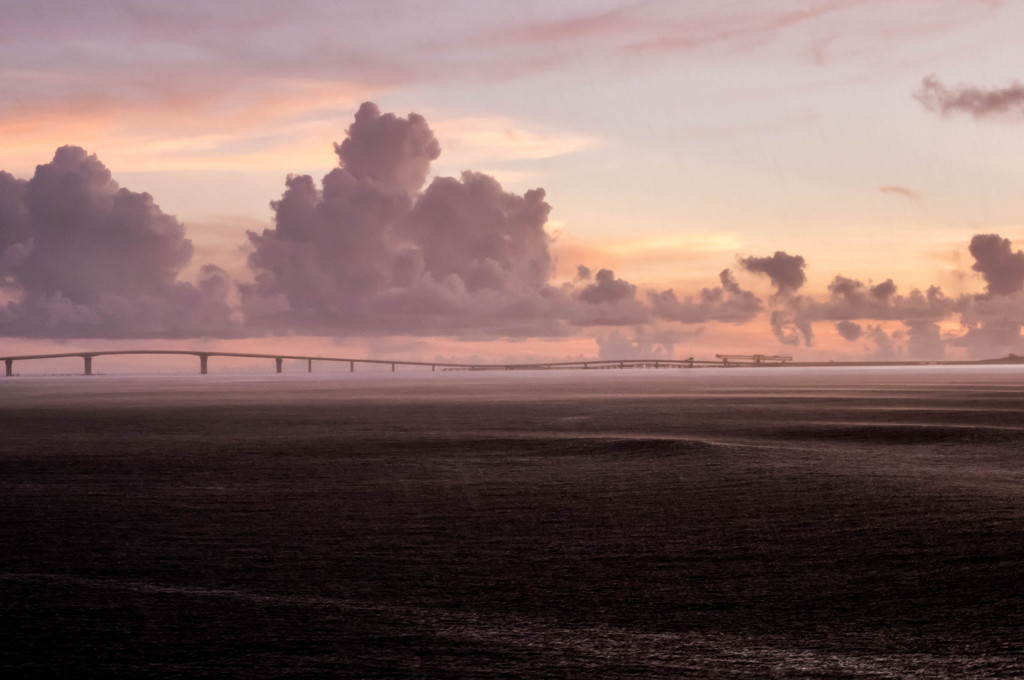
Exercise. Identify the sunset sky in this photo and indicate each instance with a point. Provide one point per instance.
(825, 179)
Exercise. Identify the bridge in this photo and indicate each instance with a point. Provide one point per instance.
(204, 359)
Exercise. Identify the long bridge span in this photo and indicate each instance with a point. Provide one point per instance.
(204, 357)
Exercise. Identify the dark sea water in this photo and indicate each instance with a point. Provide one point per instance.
(744, 523)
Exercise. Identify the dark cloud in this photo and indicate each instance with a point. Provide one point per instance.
(849, 330)
(853, 299)
(786, 271)
(607, 301)
(728, 303)
(583, 273)
(607, 289)
(1007, 102)
(84, 257)
(1002, 269)
(472, 229)
(393, 151)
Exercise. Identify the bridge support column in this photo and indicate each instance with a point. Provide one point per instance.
(279, 361)
(351, 367)
(88, 364)
(202, 364)
(392, 367)
(9, 365)
(657, 364)
(432, 368)
(309, 366)
(585, 365)
(622, 364)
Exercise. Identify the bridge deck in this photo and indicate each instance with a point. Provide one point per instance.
(204, 356)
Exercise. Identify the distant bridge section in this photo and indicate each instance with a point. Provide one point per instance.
(755, 359)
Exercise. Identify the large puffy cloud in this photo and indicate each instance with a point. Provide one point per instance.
(978, 102)
(606, 288)
(785, 271)
(1002, 269)
(472, 229)
(607, 301)
(373, 251)
(391, 150)
(84, 257)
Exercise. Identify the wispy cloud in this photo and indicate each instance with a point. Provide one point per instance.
(896, 190)
(1001, 102)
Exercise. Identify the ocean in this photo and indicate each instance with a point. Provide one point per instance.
(705, 523)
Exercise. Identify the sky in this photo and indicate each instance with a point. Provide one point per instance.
(828, 180)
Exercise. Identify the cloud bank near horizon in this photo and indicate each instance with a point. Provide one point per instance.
(374, 249)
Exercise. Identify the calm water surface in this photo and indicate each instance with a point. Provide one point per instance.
(746, 523)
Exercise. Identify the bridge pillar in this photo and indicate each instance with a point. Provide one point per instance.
(622, 364)
(278, 361)
(203, 360)
(392, 366)
(351, 367)
(309, 366)
(9, 365)
(88, 364)
(432, 368)
(657, 364)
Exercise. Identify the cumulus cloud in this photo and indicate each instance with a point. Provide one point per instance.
(853, 299)
(368, 251)
(387, 149)
(472, 229)
(1002, 269)
(728, 303)
(1007, 102)
(84, 257)
(785, 271)
(607, 289)
(849, 330)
